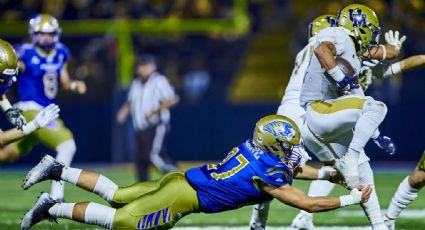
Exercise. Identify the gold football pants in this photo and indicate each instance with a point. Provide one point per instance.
(154, 204)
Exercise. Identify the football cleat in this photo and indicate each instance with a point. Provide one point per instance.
(39, 212)
(390, 223)
(259, 216)
(303, 221)
(348, 167)
(47, 168)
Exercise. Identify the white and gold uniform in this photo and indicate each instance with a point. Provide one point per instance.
(338, 126)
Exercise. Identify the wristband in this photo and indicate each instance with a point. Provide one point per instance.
(336, 73)
(73, 86)
(5, 105)
(392, 70)
(29, 128)
(384, 50)
(346, 200)
(323, 174)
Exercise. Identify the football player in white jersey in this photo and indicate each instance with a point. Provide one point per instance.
(335, 106)
(304, 220)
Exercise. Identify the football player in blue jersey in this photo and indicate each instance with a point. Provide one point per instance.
(258, 170)
(42, 70)
(9, 70)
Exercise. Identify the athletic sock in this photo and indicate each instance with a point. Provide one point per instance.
(100, 215)
(404, 195)
(62, 210)
(70, 175)
(105, 188)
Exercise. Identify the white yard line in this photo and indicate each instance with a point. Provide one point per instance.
(408, 213)
(271, 228)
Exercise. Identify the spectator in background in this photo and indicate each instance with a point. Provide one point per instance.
(148, 101)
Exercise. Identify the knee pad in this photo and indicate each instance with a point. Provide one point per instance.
(376, 110)
(66, 151)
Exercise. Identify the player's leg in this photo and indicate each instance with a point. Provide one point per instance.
(328, 120)
(406, 192)
(371, 208)
(158, 209)
(46, 208)
(50, 169)
(260, 213)
(56, 136)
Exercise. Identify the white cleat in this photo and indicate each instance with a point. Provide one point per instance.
(303, 221)
(390, 223)
(47, 168)
(39, 212)
(349, 168)
(259, 216)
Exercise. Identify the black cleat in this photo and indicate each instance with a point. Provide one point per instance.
(47, 168)
(39, 212)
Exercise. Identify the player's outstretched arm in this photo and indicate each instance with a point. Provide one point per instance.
(298, 199)
(306, 172)
(407, 64)
(390, 50)
(43, 118)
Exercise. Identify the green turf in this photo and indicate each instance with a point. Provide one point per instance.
(14, 201)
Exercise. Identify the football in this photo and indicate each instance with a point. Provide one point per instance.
(345, 66)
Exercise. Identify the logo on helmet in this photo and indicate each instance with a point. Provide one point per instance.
(280, 129)
(359, 19)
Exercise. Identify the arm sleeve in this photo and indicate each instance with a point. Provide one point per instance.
(277, 175)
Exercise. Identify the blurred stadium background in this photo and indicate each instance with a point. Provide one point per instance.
(229, 61)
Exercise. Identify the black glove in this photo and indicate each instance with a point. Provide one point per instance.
(15, 118)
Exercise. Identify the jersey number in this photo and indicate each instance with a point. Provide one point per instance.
(50, 82)
(242, 162)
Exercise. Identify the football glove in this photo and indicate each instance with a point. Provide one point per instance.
(15, 118)
(385, 143)
(393, 38)
(348, 83)
(46, 115)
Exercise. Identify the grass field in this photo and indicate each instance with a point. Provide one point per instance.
(14, 201)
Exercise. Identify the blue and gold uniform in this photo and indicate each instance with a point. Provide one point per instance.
(236, 181)
(38, 86)
(40, 80)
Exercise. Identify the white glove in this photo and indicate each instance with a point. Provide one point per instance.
(44, 117)
(354, 198)
(392, 38)
(370, 63)
(366, 78)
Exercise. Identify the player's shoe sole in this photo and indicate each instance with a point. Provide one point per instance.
(47, 168)
(39, 212)
(302, 221)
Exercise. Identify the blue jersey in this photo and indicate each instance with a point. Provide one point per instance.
(236, 181)
(40, 80)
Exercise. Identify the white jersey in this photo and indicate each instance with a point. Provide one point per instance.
(316, 86)
(290, 105)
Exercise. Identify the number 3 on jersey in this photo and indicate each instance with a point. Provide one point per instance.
(242, 162)
(50, 83)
